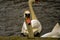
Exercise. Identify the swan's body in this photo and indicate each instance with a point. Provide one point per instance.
(55, 32)
(36, 25)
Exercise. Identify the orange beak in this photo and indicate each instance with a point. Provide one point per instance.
(28, 21)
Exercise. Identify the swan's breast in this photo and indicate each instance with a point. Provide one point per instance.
(35, 25)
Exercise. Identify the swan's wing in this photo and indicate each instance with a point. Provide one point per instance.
(51, 34)
(55, 32)
(36, 26)
(46, 35)
(24, 28)
(56, 28)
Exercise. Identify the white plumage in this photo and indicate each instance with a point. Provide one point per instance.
(35, 25)
(55, 32)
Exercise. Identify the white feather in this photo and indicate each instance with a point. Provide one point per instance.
(54, 33)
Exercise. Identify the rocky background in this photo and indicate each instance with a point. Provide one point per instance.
(11, 15)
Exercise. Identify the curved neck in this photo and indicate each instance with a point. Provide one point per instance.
(33, 16)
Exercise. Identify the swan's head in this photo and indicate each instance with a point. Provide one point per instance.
(27, 14)
(27, 17)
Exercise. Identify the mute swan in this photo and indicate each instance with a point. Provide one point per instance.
(36, 25)
(55, 32)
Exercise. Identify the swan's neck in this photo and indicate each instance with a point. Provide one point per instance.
(33, 16)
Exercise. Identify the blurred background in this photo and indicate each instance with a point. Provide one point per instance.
(11, 15)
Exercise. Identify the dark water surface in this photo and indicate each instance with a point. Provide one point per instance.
(11, 15)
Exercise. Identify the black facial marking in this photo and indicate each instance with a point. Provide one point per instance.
(27, 15)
